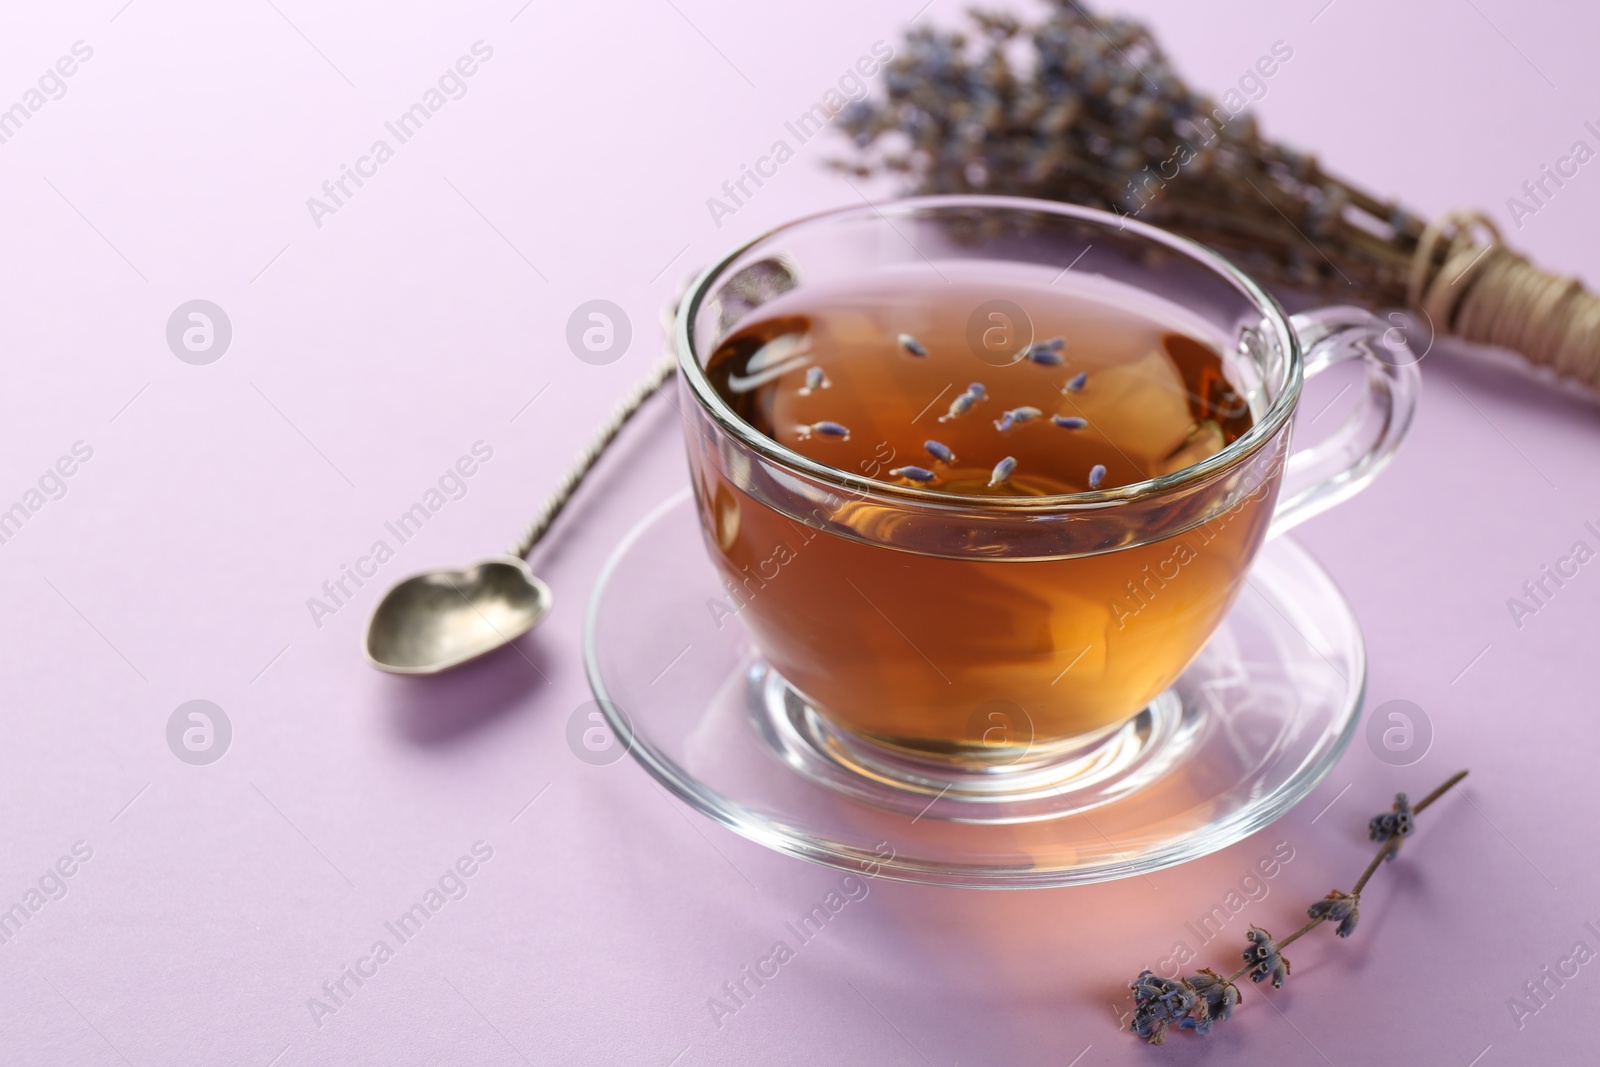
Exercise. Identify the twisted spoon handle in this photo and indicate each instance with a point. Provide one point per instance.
(748, 288)
(625, 410)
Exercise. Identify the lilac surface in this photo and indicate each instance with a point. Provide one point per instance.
(425, 315)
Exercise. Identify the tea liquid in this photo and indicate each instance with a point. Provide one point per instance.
(884, 379)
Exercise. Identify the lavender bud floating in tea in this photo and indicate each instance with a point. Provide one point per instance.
(1015, 417)
(815, 379)
(1091, 111)
(1047, 353)
(1002, 471)
(823, 429)
(1204, 999)
(961, 404)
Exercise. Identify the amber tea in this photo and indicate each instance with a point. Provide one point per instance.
(1092, 389)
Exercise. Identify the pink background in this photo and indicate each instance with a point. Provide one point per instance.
(423, 316)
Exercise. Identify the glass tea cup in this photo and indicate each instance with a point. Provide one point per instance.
(929, 634)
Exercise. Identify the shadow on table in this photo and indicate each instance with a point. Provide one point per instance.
(1505, 377)
(438, 709)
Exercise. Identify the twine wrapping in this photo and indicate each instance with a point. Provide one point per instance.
(1482, 291)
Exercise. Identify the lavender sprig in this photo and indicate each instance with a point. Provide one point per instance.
(1206, 998)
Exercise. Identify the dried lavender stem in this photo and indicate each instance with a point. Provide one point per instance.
(1383, 853)
(1361, 883)
(1394, 842)
(1439, 792)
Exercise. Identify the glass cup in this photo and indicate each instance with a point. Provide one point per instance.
(1056, 619)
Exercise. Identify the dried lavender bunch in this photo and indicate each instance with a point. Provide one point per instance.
(1090, 111)
(1206, 998)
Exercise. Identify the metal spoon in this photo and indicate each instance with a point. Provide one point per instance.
(440, 619)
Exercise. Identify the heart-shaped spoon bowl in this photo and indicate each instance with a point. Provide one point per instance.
(433, 621)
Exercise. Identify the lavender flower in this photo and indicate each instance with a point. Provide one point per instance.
(1338, 907)
(1265, 958)
(1002, 471)
(1097, 474)
(816, 379)
(975, 392)
(826, 429)
(912, 345)
(1157, 1003)
(1044, 355)
(1077, 382)
(958, 406)
(1395, 823)
(1216, 999)
(915, 474)
(1069, 422)
(939, 451)
(1016, 416)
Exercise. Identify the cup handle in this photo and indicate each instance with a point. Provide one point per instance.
(1340, 465)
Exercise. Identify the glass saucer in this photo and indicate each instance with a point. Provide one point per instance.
(1248, 730)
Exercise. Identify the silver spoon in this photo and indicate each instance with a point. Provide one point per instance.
(440, 619)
